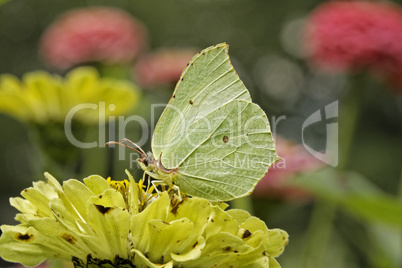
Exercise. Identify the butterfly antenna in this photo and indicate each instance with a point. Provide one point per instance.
(136, 145)
(141, 152)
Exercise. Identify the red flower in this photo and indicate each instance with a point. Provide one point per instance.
(92, 34)
(295, 160)
(351, 35)
(162, 67)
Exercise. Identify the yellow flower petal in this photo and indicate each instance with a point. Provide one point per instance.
(42, 98)
(108, 223)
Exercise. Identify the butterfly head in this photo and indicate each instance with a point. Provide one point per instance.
(147, 162)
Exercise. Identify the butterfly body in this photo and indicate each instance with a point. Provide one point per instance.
(156, 170)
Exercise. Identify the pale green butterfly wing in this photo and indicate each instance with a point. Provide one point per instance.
(228, 161)
(208, 82)
(219, 143)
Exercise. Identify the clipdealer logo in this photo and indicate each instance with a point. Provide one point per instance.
(327, 114)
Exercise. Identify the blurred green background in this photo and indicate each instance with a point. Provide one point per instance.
(353, 220)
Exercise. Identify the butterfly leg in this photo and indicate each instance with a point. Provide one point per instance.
(156, 183)
(177, 188)
(149, 179)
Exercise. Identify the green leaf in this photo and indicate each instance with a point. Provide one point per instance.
(388, 239)
(353, 193)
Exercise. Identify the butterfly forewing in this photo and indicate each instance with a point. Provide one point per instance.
(208, 82)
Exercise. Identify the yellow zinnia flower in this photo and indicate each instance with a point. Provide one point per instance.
(102, 223)
(41, 98)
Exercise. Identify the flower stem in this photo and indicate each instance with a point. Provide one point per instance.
(318, 234)
(320, 227)
(348, 118)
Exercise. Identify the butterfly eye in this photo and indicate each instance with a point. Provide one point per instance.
(145, 161)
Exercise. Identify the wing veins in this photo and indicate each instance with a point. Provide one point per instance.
(210, 180)
(209, 137)
(196, 85)
(206, 162)
(243, 176)
(188, 107)
(195, 148)
(201, 91)
(197, 189)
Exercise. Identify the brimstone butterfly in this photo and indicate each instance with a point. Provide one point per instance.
(211, 140)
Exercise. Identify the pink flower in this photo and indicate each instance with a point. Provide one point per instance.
(295, 160)
(92, 34)
(353, 35)
(162, 67)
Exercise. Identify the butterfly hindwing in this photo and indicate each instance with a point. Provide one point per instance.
(225, 154)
